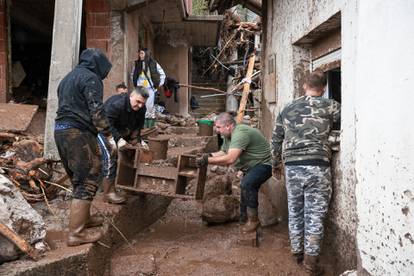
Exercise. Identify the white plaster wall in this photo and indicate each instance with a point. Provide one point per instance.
(385, 136)
(291, 21)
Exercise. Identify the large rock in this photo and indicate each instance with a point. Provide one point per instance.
(220, 209)
(269, 214)
(19, 216)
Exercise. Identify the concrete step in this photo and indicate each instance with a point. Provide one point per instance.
(93, 259)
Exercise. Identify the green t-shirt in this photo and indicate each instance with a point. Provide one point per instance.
(256, 149)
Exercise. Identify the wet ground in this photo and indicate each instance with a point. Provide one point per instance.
(179, 244)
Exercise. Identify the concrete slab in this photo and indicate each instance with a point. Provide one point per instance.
(92, 259)
(16, 117)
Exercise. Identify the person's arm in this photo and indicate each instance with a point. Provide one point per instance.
(226, 159)
(336, 111)
(162, 74)
(276, 146)
(92, 89)
(140, 123)
(218, 153)
(113, 112)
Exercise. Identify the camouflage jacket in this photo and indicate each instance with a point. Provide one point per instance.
(302, 129)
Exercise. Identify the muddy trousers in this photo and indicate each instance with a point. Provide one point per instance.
(250, 185)
(79, 153)
(309, 191)
(108, 158)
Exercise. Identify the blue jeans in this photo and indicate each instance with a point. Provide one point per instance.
(250, 185)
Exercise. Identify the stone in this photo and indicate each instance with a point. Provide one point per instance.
(220, 209)
(19, 216)
(268, 213)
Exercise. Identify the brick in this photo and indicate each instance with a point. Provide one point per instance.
(2, 45)
(3, 58)
(101, 33)
(89, 33)
(2, 32)
(2, 18)
(101, 44)
(97, 6)
(102, 19)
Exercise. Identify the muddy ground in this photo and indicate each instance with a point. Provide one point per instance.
(180, 244)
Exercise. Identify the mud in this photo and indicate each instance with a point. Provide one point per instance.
(179, 244)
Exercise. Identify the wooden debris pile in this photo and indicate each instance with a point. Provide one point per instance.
(21, 160)
(239, 54)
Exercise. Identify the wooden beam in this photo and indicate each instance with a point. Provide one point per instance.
(246, 89)
(19, 242)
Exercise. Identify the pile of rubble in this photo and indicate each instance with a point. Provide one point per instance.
(21, 161)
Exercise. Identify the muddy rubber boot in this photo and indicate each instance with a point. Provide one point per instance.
(298, 258)
(110, 194)
(252, 221)
(79, 214)
(94, 221)
(311, 265)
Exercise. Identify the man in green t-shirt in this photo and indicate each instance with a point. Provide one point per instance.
(249, 151)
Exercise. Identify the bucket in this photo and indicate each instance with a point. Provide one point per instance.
(159, 147)
(205, 127)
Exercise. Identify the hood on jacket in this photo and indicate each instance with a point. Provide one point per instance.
(96, 61)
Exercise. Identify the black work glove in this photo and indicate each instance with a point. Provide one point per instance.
(203, 160)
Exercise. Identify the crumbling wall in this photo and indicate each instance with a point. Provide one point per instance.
(288, 21)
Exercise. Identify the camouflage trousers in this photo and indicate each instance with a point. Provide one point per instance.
(79, 153)
(309, 191)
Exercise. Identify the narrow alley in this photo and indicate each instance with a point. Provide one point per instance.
(206, 137)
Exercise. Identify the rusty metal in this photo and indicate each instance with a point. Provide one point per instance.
(16, 117)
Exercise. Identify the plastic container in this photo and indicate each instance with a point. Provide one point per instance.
(205, 127)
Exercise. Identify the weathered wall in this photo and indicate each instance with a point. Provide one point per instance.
(98, 32)
(384, 160)
(174, 61)
(371, 210)
(4, 95)
(288, 21)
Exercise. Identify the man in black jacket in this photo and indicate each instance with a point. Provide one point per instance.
(80, 117)
(126, 115)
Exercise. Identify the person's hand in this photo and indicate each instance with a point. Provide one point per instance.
(122, 144)
(111, 145)
(144, 146)
(202, 161)
(277, 172)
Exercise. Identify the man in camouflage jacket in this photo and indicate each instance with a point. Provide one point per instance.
(300, 141)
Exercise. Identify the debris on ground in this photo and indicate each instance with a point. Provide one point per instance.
(21, 160)
(17, 214)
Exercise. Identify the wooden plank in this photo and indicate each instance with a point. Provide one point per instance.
(246, 89)
(19, 242)
(158, 172)
(201, 182)
(16, 117)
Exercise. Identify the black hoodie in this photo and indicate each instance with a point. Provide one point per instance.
(80, 93)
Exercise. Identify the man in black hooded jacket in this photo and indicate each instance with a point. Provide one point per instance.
(80, 117)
